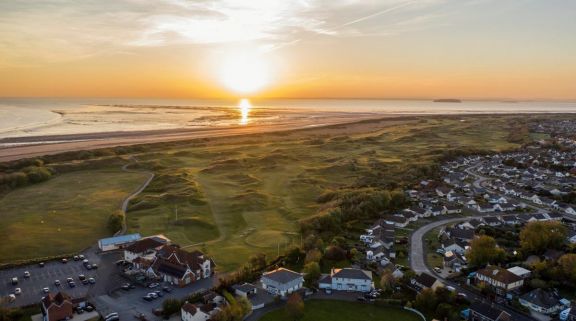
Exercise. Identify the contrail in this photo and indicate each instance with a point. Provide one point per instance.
(379, 13)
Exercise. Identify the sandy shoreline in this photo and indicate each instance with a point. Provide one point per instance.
(14, 148)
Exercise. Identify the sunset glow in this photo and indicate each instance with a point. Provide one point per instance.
(244, 73)
(244, 107)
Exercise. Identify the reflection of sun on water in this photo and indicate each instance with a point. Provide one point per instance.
(244, 107)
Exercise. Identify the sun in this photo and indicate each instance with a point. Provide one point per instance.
(244, 73)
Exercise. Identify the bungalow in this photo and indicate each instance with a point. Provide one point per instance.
(347, 279)
(398, 221)
(425, 281)
(480, 311)
(454, 245)
(454, 261)
(180, 267)
(499, 279)
(250, 292)
(510, 219)
(542, 301)
(282, 281)
(117, 242)
(504, 207)
(57, 307)
(492, 221)
(452, 209)
(461, 234)
(485, 208)
(438, 210)
(554, 216)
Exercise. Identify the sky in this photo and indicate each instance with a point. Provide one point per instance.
(476, 49)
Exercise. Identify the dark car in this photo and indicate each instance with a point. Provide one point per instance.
(166, 289)
(148, 298)
(85, 282)
(159, 293)
(81, 277)
(94, 266)
(79, 310)
(72, 284)
(88, 308)
(41, 264)
(361, 298)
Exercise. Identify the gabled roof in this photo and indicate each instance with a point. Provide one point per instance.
(426, 280)
(57, 299)
(349, 273)
(542, 298)
(490, 312)
(144, 245)
(282, 275)
(499, 274)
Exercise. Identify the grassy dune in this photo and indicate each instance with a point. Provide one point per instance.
(237, 196)
(63, 215)
(249, 193)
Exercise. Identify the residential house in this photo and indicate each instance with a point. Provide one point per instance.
(542, 301)
(191, 312)
(454, 261)
(347, 279)
(480, 311)
(425, 281)
(499, 279)
(258, 299)
(56, 307)
(454, 245)
(282, 281)
(492, 221)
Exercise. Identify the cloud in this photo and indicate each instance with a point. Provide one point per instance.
(36, 32)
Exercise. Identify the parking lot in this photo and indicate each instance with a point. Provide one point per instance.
(41, 277)
(130, 303)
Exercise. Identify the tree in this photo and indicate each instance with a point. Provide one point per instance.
(295, 307)
(537, 237)
(387, 281)
(311, 273)
(170, 307)
(115, 221)
(335, 253)
(313, 255)
(484, 250)
(236, 310)
(258, 261)
(567, 264)
(426, 301)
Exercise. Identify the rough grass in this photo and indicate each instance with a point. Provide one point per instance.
(326, 310)
(253, 191)
(63, 215)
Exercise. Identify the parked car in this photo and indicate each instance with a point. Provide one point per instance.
(68, 280)
(46, 290)
(81, 257)
(94, 266)
(76, 258)
(147, 298)
(81, 277)
(92, 281)
(64, 261)
(159, 293)
(109, 315)
(79, 310)
(88, 266)
(85, 282)
(167, 289)
(157, 312)
(14, 280)
(437, 270)
(88, 308)
(153, 285)
(72, 284)
(153, 295)
(57, 283)
(11, 298)
(41, 264)
(26, 274)
(125, 286)
(361, 298)
(17, 291)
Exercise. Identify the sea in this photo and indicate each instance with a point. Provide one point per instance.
(39, 116)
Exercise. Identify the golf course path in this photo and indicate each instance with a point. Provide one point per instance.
(128, 198)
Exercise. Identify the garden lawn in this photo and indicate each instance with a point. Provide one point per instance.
(329, 310)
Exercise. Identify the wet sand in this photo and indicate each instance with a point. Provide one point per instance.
(15, 148)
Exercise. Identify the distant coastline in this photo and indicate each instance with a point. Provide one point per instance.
(447, 100)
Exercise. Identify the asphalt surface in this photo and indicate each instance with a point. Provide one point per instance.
(41, 277)
(130, 303)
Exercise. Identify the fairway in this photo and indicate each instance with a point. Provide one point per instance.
(327, 310)
(63, 215)
(237, 197)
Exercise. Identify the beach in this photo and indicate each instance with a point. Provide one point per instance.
(35, 127)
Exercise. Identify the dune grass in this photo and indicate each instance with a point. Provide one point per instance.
(63, 215)
(238, 196)
(252, 191)
(327, 310)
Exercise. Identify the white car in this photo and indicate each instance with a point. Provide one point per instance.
(46, 290)
(17, 291)
(26, 274)
(113, 314)
(153, 285)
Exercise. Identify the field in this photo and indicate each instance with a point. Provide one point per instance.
(237, 196)
(63, 215)
(320, 310)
